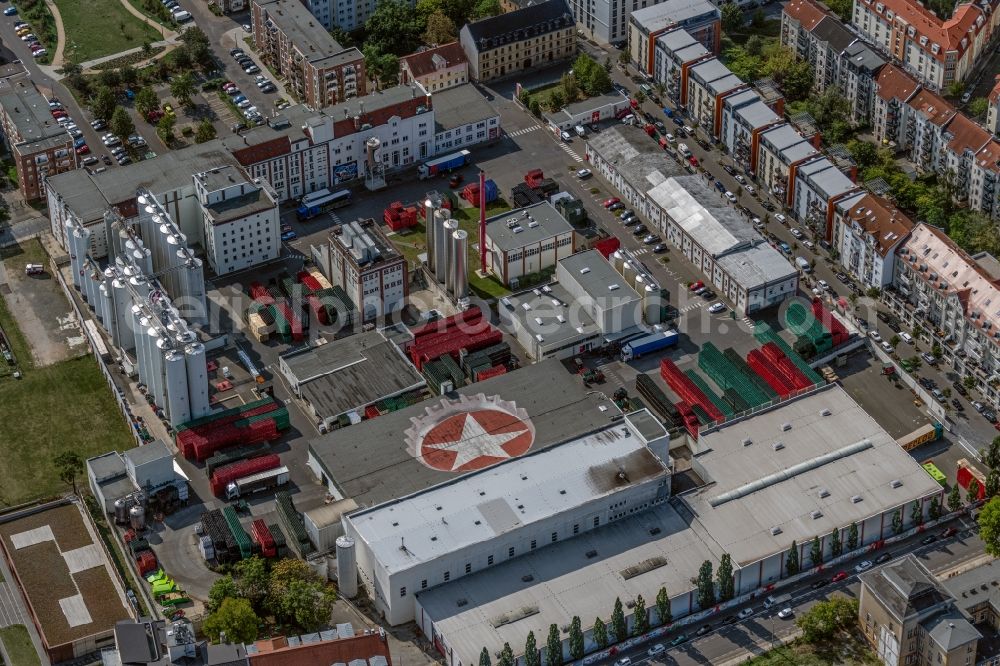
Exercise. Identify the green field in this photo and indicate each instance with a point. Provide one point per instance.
(102, 28)
(66, 406)
(18, 644)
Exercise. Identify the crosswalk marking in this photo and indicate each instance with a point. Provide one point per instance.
(748, 321)
(641, 250)
(524, 130)
(691, 306)
(570, 152)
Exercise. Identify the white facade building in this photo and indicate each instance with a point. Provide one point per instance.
(867, 232)
(369, 268)
(528, 240)
(818, 185)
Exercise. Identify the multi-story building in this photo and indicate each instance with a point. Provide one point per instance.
(526, 241)
(347, 15)
(908, 617)
(699, 18)
(798, 18)
(938, 52)
(708, 82)
(744, 117)
(463, 118)
(369, 268)
(298, 47)
(982, 606)
(535, 36)
(993, 110)
(816, 189)
(435, 69)
(676, 51)
(867, 231)
(857, 79)
(925, 117)
(780, 150)
(240, 219)
(893, 89)
(984, 180)
(39, 146)
(971, 164)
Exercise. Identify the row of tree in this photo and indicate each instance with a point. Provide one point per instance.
(287, 590)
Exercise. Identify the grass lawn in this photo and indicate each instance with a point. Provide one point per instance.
(95, 30)
(849, 650)
(66, 406)
(19, 646)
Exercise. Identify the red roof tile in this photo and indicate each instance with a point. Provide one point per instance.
(966, 135)
(947, 34)
(995, 93)
(989, 156)
(422, 63)
(882, 220)
(806, 12)
(935, 108)
(276, 652)
(894, 83)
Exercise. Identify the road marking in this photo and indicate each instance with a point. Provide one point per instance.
(748, 321)
(524, 130)
(692, 306)
(570, 152)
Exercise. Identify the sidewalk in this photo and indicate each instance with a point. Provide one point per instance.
(761, 647)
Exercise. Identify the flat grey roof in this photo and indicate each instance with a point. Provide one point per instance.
(459, 106)
(155, 450)
(580, 576)
(826, 177)
(29, 111)
(539, 313)
(757, 265)
(254, 201)
(351, 373)
(376, 460)
(106, 466)
(834, 33)
(596, 102)
(751, 110)
(674, 39)
(788, 143)
(548, 224)
(667, 13)
(380, 99)
(302, 29)
(642, 163)
(697, 209)
(715, 76)
(753, 488)
(864, 57)
(594, 275)
(976, 586)
(690, 53)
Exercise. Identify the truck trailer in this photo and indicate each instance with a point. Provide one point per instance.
(647, 344)
(255, 483)
(443, 164)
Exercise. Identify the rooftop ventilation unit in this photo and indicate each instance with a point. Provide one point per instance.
(823, 492)
(855, 499)
(584, 270)
(747, 441)
(896, 483)
(825, 412)
(612, 287)
(816, 515)
(785, 427)
(775, 531)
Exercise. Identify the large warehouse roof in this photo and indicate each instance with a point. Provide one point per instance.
(516, 493)
(835, 465)
(407, 451)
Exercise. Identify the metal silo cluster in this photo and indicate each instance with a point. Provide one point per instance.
(447, 250)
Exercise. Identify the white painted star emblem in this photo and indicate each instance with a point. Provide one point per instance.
(475, 442)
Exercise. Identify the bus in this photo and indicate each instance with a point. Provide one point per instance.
(316, 202)
(935, 473)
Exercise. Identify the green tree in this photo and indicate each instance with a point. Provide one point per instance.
(73, 73)
(843, 8)
(222, 589)
(897, 521)
(381, 66)
(956, 89)
(795, 77)
(836, 545)
(575, 638)
(640, 617)
(663, 607)
(182, 87)
(69, 465)
(165, 128)
(121, 124)
(972, 492)
(485, 9)
(531, 651)
(197, 47)
(706, 588)
(236, 619)
(990, 455)
(936, 351)
(252, 580)
(440, 28)
(894, 341)
(992, 484)
(852, 537)
(484, 658)
(108, 78)
(792, 559)
(954, 499)
(393, 28)
(732, 17)
(308, 604)
(757, 19)
(128, 75)
(553, 647)
(283, 574)
(816, 552)
(754, 45)
(147, 49)
(205, 132)
(556, 99)
(724, 576)
(146, 102)
(827, 618)
(917, 513)
(524, 98)
(507, 656)
(619, 629)
(639, 96)
(989, 526)
(570, 88)
(600, 634)
(934, 509)
(535, 107)
(969, 382)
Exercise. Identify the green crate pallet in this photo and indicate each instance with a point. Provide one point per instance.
(763, 332)
(720, 404)
(239, 534)
(748, 372)
(731, 397)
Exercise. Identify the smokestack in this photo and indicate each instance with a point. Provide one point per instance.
(482, 222)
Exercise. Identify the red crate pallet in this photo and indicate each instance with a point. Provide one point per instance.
(686, 389)
(145, 562)
(837, 330)
(306, 278)
(261, 536)
(259, 293)
(237, 470)
(765, 370)
(371, 412)
(495, 371)
(317, 309)
(260, 431)
(445, 337)
(293, 321)
(458, 343)
(774, 353)
(470, 315)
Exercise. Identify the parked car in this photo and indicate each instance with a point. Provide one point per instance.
(926, 541)
(731, 196)
(719, 186)
(708, 294)
(785, 613)
(99, 124)
(610, 202)
(797, 233)
(703, 629)
(779, 218)
(883, 558)
(565, 136)
(616, 206)
(717, 307)
(949, 532)
(887, 347)
(655, 650)
(82, 149)
(680, 638)
(863, 566)
(90, 160)
(929, 358)
(874, 335)
(651, 239)
(660, 248)
(10, 11)
(839, 576)
(745, 613)
(583, 174)
(289, 235)
(269, 88)
(639, 230)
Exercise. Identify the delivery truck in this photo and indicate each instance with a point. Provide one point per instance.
(443, 164)
(648, 344)
(255, 483)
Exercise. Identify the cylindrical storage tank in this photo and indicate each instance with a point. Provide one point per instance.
(137, 518)
(158, 384)
(628, 272)
(197, 379)
(122, 311)
(640, 284)
(618, 261)
(121, 511)
(139, 326)
(347, 567)
(651, 304)
(139, 285)
(178, 405)
(194, 303)
(460, 255)
(447, 268)
(429, 232)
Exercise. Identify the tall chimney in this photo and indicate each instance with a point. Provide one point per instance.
(482, 221)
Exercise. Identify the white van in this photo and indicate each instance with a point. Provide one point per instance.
(906, 337)
(683, 150)
(580, 132)
(803, 265)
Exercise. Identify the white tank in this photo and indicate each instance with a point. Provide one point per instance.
(441, 216)
(447, 267)
(347, 567)
(103, 306)
(139, 326)
(156, 384)
(618, 261)
(197, 379)
(640, 284)
(137, 518)
(459, 272)
(122, 309)
(121, 511)
(628, 272)
(178, 405)
(194, 293)
(651, 304)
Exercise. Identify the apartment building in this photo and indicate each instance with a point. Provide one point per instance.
(908, 617)
(675, 52)
(298, 47)
(926, 116)
(867, 232)
(818, 185)
(535, 36)
(348, 15)
(39, 146)
(240, 219)
(893, 89)
(699, 18)
(993, 110)
(972, 163)
(938, 52)
(859, 69)
(369, 268)
(435, 69)
(780, 150)
(708, 82)
(744, 117)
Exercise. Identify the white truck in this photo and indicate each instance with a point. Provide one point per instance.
(683, 150)
(580, 131)
(34, 269)
(803, 265)
(255, 483)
